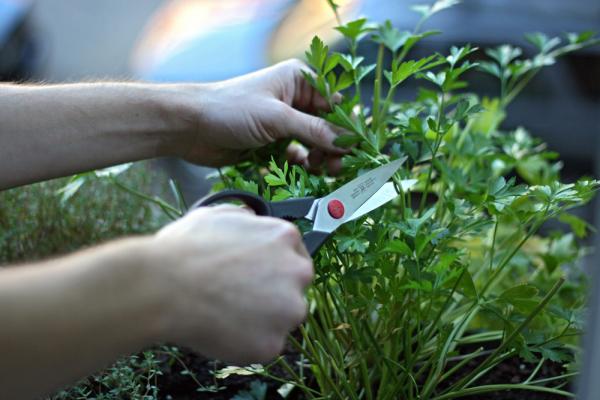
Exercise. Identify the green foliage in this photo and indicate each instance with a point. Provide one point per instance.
(459, 258)
(35, 222)
(132, 378)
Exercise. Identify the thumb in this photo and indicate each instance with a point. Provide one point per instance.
(311, 130)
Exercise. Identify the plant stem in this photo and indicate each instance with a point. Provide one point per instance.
(377, 92)
(437, 144)
(505, 101)
(494, 388)
(507, 259)
(493, 248)
(169, 210)
(466, 381)
(554, 378)
(535, 371)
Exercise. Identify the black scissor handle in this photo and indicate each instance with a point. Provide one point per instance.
(256, 203)
(291, 209)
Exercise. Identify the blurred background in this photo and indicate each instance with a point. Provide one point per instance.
(206, 40)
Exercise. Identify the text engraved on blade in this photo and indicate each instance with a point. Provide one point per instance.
(362, 187)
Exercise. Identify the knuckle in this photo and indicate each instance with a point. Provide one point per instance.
(295, 63)
(288, 113)
(305, 270)
(318, 129)
(289, 233)
(196, 213)
(221, 208)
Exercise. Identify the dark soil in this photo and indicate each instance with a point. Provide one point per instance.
(173, 385)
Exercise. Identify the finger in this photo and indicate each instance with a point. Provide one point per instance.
(228, 208)
(311, 130)
(334, 165)
(315, 161)
(297, 154)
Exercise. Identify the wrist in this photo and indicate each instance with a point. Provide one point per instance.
(142, 297)
(181, 108)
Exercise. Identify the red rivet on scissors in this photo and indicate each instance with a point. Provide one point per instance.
(335, 208)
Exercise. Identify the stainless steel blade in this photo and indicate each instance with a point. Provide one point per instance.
(387, 193)
(353, 195)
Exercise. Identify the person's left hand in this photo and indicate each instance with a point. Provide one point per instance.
(253, 110)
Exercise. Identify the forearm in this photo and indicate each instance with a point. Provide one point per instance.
(57, 130)
(67, 318)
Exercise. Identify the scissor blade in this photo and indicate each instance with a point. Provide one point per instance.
(387, 193)
(353, 195)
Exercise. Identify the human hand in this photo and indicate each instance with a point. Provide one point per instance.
(253, 110)
(234, 282)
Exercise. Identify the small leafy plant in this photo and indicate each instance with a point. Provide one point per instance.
(423, 298)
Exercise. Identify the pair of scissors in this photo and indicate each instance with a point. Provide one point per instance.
(356, 198)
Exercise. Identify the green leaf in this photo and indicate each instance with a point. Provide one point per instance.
(391, 37)
(432, 124)
(504, 54)
(524, 306)
(579, 226)
(460, 112)
(317, 54)
(351, 244)
(342, 118)
(245, 185)
(423, 285)
(348, 62)
(466, 285)
(273, 180)
(363, 71)
(226, 372)
(457, 54)
(112, 171)
(555, 351)
(561, 251)
(497, 185)
(408, 68)
(346, 141)
(578, 38)
(427, 11)
(542, 42)
(71, 188)
(437, 79)
(490, 68)
(397, 246)
(364, 274)
(345, 80)
(331, 62)
(354, 30)
(414, 39)
(524, 291)
(281, 194)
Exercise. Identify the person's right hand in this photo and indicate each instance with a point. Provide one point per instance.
(235, 282)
